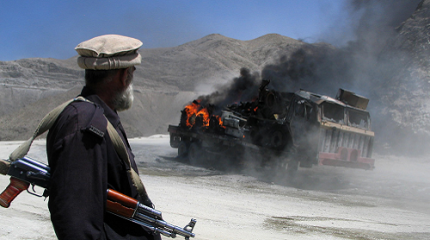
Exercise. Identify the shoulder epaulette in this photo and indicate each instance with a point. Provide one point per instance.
(97, 124)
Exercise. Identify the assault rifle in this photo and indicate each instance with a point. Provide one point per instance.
(26, 171)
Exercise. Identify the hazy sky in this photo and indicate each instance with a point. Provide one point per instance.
(52, 28)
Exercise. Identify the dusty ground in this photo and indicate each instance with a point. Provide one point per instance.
(390, 202)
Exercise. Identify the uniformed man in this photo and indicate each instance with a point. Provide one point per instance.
(83, 160)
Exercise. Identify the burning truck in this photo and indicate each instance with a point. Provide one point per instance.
(283, 130)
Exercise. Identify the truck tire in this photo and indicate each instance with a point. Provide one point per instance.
(196, 155)
(278, 138)
(293, 164)
(183, 149)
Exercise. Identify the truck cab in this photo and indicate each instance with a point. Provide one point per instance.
(328, 131)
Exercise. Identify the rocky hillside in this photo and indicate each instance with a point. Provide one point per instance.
(404, 92)
(28, 80)
(214, 58)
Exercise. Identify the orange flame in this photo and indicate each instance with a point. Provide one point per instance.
(195, 109)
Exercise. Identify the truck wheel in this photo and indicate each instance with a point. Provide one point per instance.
(183, 150)
(195, 155)
(293, 164)
(278, 139)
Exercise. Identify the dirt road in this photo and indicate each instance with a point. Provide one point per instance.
(390, 202)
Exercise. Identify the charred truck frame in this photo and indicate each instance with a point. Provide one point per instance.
(279, 129)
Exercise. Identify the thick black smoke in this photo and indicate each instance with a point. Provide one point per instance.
(322, 68)
(379, 19)
(313, 68)
(241, 89)
(359, 65)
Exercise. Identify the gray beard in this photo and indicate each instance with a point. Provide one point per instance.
(124, 100)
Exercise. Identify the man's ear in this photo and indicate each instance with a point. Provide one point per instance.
(123, 76)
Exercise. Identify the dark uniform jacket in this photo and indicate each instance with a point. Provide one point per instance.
(84, 164)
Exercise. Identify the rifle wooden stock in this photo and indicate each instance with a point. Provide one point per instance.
(14, 188)
(121, 204)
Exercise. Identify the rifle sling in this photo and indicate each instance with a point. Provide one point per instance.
(123, 154)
